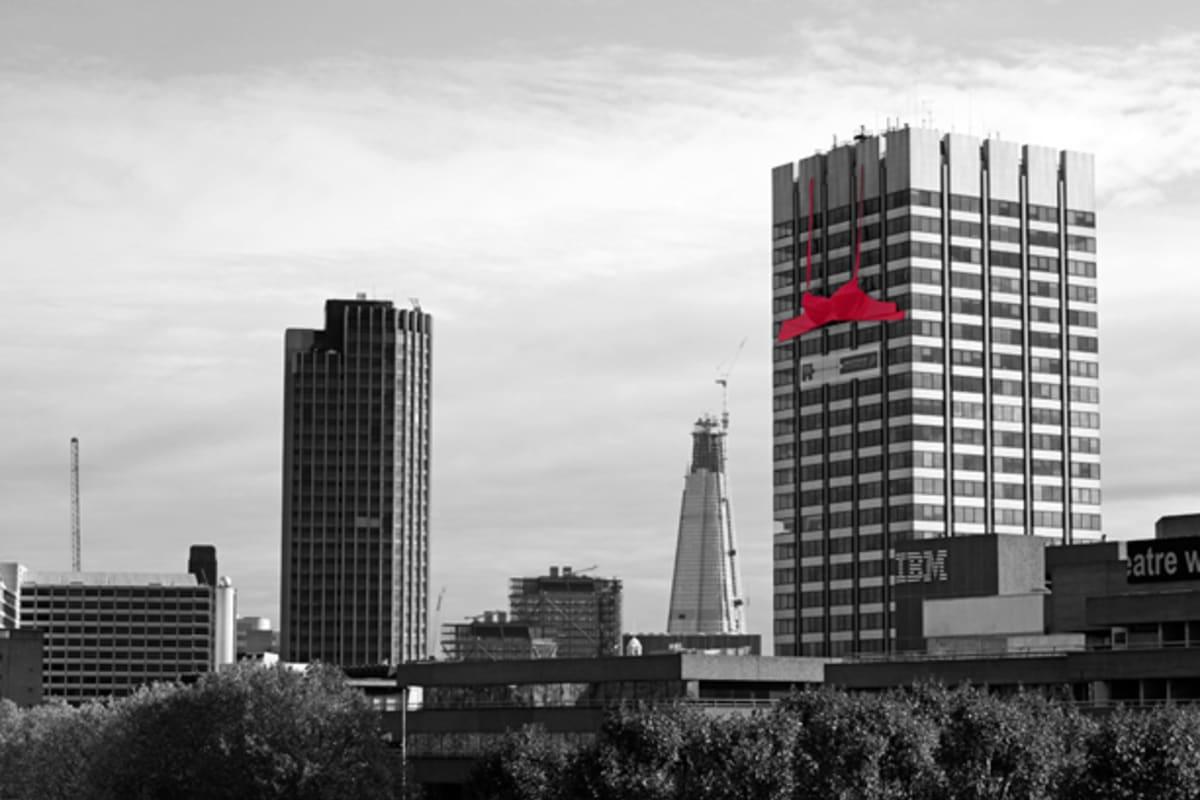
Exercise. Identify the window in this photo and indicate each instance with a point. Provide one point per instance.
(1045, 339)
(969, 489)
(1009, 464)
(1084, 269)
(1084, 219)
(964, 435)
(1004, 233)
(1043, 213)
(967, 358)
(1008, 516)
(969, 461)
(966, 280)
(1006, 310)
(1010, 491)
(965, 409)
(1046, 466)
(1043, 263)
(963, 202)
(1047, 494)
(1084, 469)
(1003, 258)
(1004, 386)
(1006, 335)
(1082, 244)
(1008, 285)
(1083, 369)
(1043, 289)
(1046, 391)
(966, 383)
(1043, 238)
(1085, 444)
(965, 332)
(1011, 361)
(1047, 441)
(966, 305)
(1043, 314)
(1045, 416)
(1009, 439)
(974, 514)
(1004, 208)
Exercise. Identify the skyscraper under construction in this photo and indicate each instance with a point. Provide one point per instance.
(705, 590)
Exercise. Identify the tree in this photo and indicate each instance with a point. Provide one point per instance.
(1143, 754)
(251, 732)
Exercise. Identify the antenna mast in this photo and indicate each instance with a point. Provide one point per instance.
(75, 560)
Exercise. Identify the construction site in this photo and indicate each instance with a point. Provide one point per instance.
(565, 614)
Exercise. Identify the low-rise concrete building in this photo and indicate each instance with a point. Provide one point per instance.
(466, 706)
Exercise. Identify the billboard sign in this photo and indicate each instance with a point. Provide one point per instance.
(1163, 560)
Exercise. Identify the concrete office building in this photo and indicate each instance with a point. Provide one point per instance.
(355, 571)
(106, 633)
(579, 613)
(705, 588)
(467, 707)
(1107, 622)
(978, 413)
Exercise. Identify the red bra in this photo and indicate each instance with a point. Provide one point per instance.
(849, 303)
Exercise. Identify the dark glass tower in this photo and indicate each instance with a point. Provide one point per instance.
(355, 572)
(977, 414)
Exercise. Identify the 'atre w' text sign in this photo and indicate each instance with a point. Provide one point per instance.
(1160, 560)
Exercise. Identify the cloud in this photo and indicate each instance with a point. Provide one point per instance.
(590, 232)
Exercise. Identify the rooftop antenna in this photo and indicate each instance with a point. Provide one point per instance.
(75, 559)
(416, 303)
(723, 381)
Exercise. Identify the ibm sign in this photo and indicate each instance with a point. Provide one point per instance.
(921, 566)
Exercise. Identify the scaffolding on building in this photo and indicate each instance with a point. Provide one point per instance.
(580, 613)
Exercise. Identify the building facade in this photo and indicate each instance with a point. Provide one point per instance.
(355, 571)
(579, 613)
(977, 413)
(104, 634)
(705, 587)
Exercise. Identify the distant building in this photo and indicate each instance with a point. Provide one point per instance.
(355, 571)
(713, 644)
(495, 637)
(107, 633)
(21, 666)
(202, 562)
(705, 589)
(581, 614)
(255, 636)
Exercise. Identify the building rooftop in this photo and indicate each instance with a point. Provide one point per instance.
(67, 578)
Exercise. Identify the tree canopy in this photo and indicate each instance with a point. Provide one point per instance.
(250, 733)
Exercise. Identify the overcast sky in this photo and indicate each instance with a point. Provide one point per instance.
(577, 190)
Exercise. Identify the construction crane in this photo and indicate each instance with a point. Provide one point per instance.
(75, 558)
(723, 381)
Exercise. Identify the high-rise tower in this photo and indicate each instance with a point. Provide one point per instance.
(355, 573)
(978, 413)
(705, 589)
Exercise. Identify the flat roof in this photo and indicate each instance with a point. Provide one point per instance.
(666, 666)
(109, 579)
